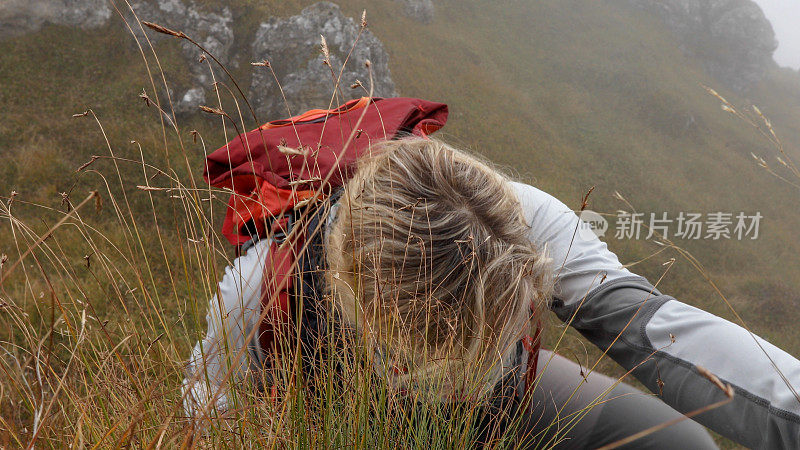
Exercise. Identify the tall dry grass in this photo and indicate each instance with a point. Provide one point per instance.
(101, 307)
(101, 304)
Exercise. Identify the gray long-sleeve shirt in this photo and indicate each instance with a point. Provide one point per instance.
(662, 339)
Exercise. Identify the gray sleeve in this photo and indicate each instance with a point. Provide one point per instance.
(608, 301)
(232, 314)
(581, 261)
(667, 339)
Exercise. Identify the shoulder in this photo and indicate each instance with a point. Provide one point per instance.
(541, 208)
(531, 197)
(581, 259)
(247, 269)
(549, 219)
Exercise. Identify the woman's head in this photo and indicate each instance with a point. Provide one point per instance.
(430, 262)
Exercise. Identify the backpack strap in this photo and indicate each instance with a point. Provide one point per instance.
(310, 301)
(532, 345)
(293, 287)
(279, 283)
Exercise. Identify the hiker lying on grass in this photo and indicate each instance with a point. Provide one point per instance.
(429, 251)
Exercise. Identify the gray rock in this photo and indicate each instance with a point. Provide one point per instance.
(18, 17)
(292, 46)
(421, 10)
(732, 37)
(212, 28)
(190, 100)
(751, 39)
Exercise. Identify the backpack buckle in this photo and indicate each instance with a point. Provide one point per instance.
(282, 227)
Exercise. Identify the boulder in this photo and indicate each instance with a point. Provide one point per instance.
(421, 10)
(18, 17)
(732, 38)
(211, 27)
(292, 47)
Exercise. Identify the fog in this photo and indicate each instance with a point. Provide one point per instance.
(785, 18)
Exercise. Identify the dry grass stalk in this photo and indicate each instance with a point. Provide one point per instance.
(94, 195)
(163, 30)
(326, 53)
(725, 388)
(290, 151)
(210, 110)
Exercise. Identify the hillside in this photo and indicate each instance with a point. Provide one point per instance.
(568, 95)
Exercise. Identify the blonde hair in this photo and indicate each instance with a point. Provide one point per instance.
(429, 261)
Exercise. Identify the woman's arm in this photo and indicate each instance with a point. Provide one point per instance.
(664, 339)
(232, 315)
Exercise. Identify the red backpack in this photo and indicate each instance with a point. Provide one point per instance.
(285, 164)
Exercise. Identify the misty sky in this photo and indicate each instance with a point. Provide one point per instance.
(785, 18)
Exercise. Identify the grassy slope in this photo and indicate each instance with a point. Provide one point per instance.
(568, 94)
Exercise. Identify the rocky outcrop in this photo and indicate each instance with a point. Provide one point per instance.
(291, 44)
(292, 47)
(421, 10)
(733, 38)
(18, 17)
(210, 27)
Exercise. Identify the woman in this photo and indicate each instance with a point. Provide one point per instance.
(431, 252)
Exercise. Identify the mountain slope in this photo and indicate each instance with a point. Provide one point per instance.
(567, 95)
(570, 95)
